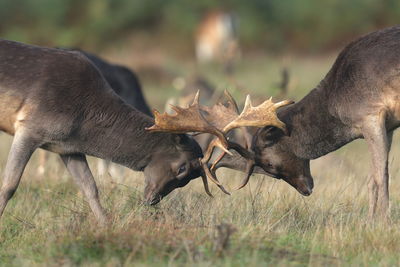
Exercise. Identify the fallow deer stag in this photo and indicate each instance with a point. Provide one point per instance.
(358, 98)
(58, 100)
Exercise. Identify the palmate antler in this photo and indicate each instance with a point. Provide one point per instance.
(259, 116)
(219, 120)
(186, 120)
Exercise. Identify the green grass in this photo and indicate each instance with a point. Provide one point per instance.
(48, 222)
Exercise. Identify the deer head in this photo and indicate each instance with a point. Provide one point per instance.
(270, 154)
(274, 154)
(217, 120)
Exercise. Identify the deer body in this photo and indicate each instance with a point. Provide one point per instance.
(74, 114)
(358, 98)
(126, 85)
(57, 100)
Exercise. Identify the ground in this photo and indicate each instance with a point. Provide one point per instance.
(48, 222)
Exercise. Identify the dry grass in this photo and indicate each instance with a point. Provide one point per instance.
(49, 223)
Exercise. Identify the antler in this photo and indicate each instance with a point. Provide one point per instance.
(219, 120)
(191, 119)
(259, 116)
(185, 120)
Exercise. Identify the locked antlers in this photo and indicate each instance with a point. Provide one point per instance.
(219, 120)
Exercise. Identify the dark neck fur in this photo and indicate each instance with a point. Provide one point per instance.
(314, 130)
(121, 132)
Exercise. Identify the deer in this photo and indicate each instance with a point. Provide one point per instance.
(126, 84)
(216, 39)
(58, 100)
(358, 98)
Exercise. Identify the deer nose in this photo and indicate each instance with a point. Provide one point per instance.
(152, 201)
(306, 192)
(304, 185)
(150, 195)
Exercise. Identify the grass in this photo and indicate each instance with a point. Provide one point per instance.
(48, 222)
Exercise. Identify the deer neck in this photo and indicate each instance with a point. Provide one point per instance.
(116, 132)
(314, 130)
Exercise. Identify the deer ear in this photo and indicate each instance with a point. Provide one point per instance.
(270, 135)
(180, 139)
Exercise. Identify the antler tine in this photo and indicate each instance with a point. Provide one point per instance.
(205, 183)
(283, 103)
(249, 171)
(247, 103)
(259, 116)
(196, 98)
(212, 177)
(231, 100)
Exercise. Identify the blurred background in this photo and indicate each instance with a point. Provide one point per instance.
(265, 47)
(279, 48)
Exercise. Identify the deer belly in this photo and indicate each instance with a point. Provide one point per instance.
(60, 148)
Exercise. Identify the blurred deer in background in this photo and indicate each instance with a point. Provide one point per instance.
(216, 39)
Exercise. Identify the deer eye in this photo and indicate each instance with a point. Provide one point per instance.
(182, 169)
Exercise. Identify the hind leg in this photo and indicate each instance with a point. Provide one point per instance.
(379, 142)
(373, 186)
(21, 150)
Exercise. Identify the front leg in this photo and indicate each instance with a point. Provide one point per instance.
(79, 169)
(21, 150)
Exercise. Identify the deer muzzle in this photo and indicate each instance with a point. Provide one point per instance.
(303, 184)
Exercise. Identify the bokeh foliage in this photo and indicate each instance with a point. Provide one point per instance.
(275, 24)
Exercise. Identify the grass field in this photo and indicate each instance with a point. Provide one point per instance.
(49, 223)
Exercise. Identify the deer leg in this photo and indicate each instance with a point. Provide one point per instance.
(21, 150)
(379, 142)
(373, 197)
(79, 169)
(43, 155)
(102, 166)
